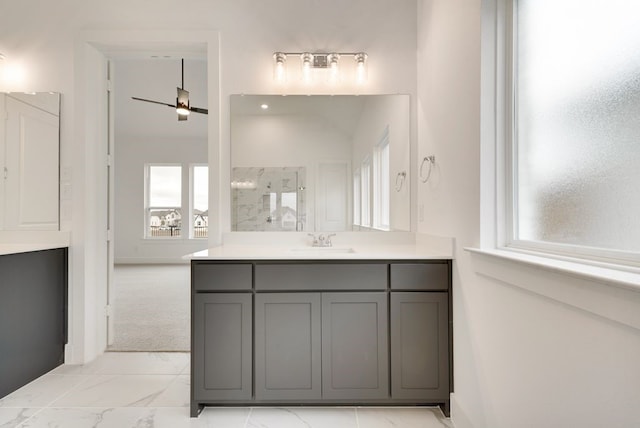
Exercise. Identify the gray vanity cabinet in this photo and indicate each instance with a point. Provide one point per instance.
(419, 345)
(33, 315)
(354, 346)
(221, 346)
(287, 352)
(332, 332)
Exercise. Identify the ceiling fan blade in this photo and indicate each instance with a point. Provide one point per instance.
(199, 110)
(151, 101)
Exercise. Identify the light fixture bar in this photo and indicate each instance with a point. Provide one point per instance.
(319, 60)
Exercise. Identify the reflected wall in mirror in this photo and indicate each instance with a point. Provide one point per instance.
(29, 160)
(343, 161)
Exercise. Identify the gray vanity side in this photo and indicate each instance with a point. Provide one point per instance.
(33, 315)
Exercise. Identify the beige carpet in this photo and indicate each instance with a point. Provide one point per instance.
(152, 308)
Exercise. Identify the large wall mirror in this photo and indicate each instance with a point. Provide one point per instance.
(29, 161)
(320, 163)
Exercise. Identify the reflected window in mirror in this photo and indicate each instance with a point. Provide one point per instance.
(356, 198)
(381, 183)
(365, 192)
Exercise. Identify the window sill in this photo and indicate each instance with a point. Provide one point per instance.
(606, 291)
(610, 274)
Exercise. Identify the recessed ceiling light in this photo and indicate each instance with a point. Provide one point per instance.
(264, 106)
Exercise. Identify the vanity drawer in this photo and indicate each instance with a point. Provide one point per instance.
(321, 276)
(221, 277)
(420, 276)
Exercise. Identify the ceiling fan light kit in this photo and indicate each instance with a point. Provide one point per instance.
(182, 106)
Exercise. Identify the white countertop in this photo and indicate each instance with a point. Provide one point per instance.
(343, 252)
(24, 242)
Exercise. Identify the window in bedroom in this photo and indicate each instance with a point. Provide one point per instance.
(164, 201)
(199, 201)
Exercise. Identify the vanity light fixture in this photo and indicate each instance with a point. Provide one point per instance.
(310, 62)
(244, 185)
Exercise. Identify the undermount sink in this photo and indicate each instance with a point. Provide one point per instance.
(332, 250)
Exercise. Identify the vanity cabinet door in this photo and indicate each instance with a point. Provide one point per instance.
(354, 346)
(221, 346)
(287, 340)
(419, 345)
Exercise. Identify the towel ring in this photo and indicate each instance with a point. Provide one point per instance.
(432, 161)
(402, 176)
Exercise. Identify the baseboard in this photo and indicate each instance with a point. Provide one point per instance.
(459, 418)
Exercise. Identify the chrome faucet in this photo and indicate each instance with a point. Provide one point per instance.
(321, 240)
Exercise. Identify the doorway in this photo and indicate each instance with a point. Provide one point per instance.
(148, 291)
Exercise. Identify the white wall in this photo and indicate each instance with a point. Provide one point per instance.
(49, 41)
(532, 348)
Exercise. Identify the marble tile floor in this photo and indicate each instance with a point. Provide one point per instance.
(151, 390)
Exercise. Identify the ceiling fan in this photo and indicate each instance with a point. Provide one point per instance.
(182, 102)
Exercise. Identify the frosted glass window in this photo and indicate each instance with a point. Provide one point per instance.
(577, 123)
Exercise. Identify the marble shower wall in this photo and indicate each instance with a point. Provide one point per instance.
(268, 199)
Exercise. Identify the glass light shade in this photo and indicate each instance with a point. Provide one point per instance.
(361, 67)
(333, 68)
(279, 68)
(307, 60)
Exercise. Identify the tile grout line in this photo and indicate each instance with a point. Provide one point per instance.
(67, 392)
(246, 421)
(48, 405)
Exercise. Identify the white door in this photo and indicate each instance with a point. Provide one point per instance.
(110, 195)
(32, 158)
(332, 197)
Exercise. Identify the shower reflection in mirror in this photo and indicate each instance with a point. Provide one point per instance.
(268, 199)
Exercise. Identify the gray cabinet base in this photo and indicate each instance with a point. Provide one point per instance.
(445, 405)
